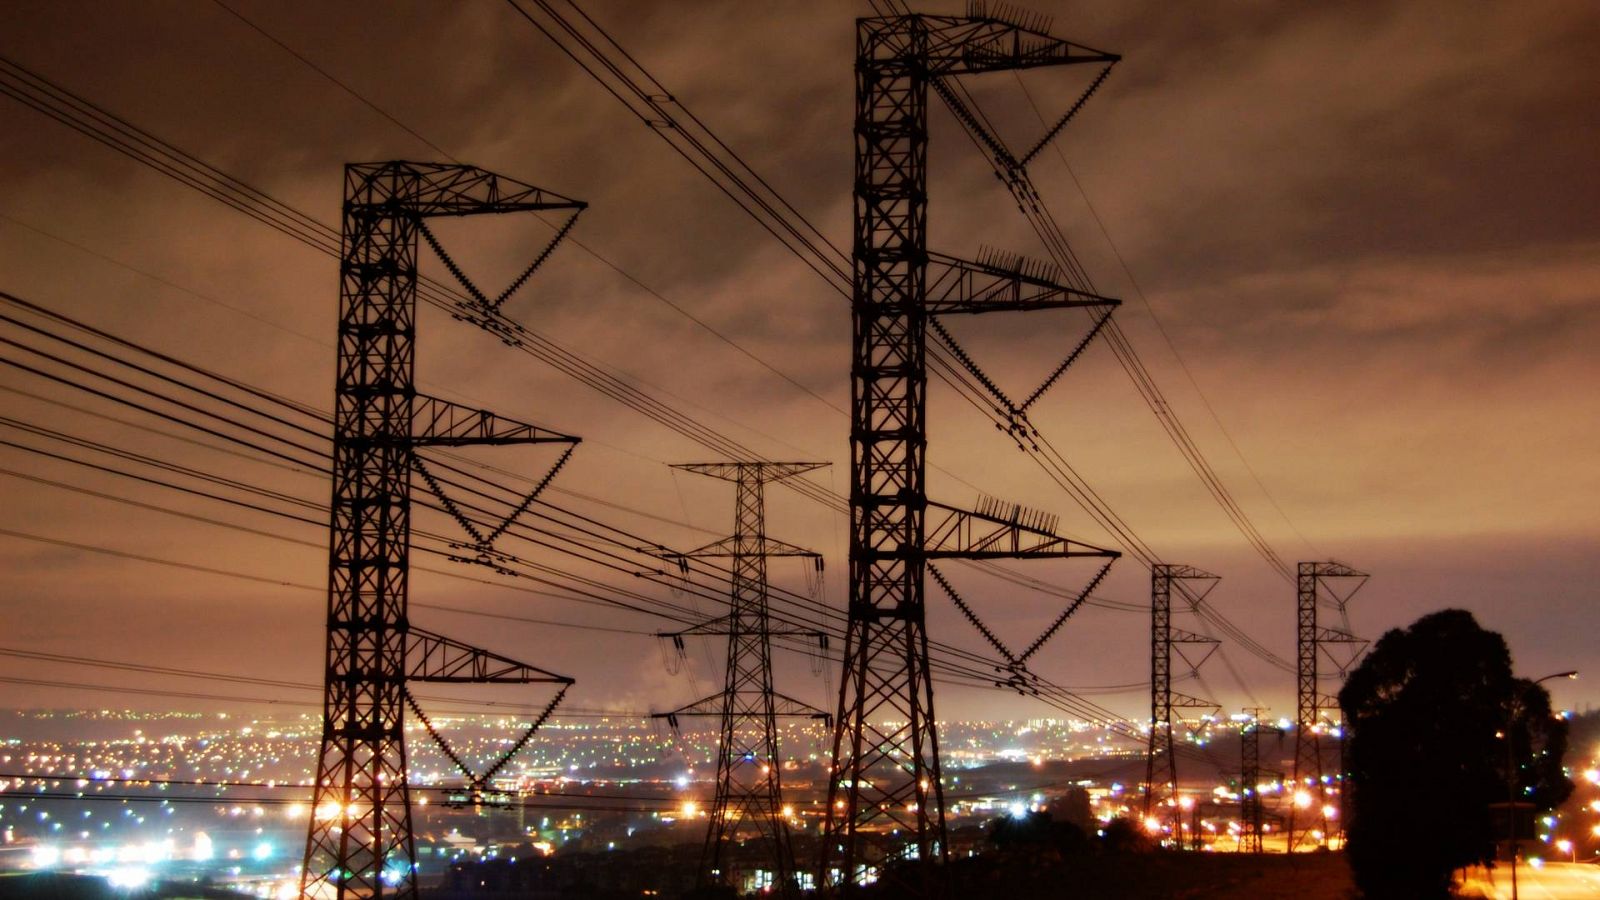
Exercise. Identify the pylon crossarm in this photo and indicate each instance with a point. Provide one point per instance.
(440, 423)
(1329, 635)
(729, 547)
(432, 657)
(765, 472)
(1211, 646)
(785, 705)
(998, 282)
(442, 189)
(1184, 701)
(988, 40)
(954, 533)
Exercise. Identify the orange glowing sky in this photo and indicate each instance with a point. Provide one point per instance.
(1370, 232)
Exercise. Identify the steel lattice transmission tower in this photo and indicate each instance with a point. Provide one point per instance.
(1252, 813)
(360, 841)
(1161, 763)
(1314, 581)
(749, 793)
(885, 796)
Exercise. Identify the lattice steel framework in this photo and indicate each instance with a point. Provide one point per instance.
(885, 796)
(1252, 812)
(359, 842)
(749, 794)
(1161, 763)
(1311, 792)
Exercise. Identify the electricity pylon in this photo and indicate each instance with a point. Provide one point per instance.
(1252, 813)
(1313, 581)
(360, 842)
(885, 797)
(749, 791)
(1161, 763)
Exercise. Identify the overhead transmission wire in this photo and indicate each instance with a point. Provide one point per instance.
(1037, 445)
(213, 178)
(1034, 209)
(821, 248)
(244, 386)
(1166, 336)
(308, 588)
(824, 258)
(363, 100)
(1055, 464)
(122, 136)
(254, 197)
(52, 100)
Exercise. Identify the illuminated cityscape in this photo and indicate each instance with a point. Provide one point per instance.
(220, 799)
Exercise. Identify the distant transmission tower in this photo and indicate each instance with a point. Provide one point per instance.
(1311, 790)
(749, 794)
(885, 796)
(360, 842)
(1161, 763)
(1252, 813)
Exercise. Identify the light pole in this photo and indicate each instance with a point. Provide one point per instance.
(1511, 770)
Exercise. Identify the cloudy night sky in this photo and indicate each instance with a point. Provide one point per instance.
(1362, 262)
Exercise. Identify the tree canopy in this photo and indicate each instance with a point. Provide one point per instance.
(1428, 713)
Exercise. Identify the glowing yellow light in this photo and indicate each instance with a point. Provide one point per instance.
(1186, 802)
(788, 812)
(1302, 799)
(1330, 812)
(690, 809)
(1152, 825)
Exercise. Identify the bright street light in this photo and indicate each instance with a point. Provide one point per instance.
(1511, 777)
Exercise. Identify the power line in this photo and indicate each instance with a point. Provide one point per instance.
(309, 412)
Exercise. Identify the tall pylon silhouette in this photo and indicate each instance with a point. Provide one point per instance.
(886, 815)
(749, 794)
(359, 843)
(1332, 583)
(1161, 762)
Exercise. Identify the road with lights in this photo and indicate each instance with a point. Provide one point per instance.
(1549, 881)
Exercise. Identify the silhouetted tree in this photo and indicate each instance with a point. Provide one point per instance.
(1427, 713)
